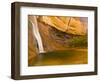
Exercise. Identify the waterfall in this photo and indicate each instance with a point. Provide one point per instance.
(37, 35)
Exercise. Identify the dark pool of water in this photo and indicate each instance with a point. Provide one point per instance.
(62, 58)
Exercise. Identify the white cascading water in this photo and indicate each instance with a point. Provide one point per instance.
(37, 35)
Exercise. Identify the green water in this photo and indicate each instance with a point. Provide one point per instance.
(61, 58)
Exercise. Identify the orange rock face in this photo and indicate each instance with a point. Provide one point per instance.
(69, 25)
